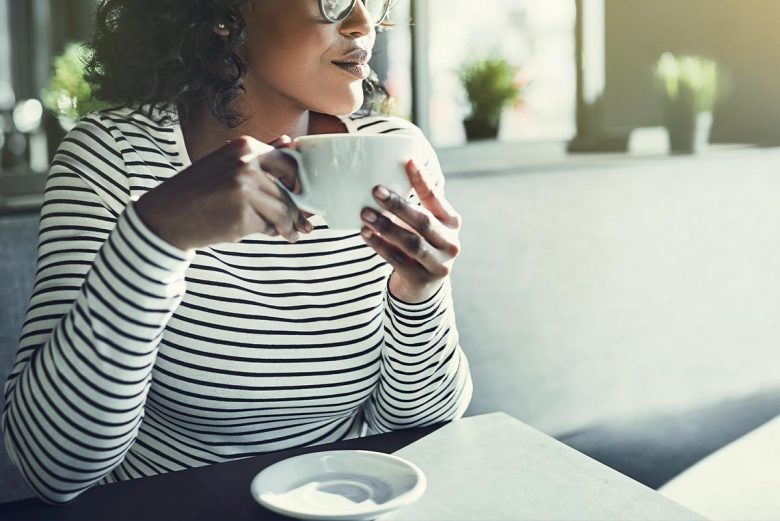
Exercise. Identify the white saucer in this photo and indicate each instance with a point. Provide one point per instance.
(340, 484)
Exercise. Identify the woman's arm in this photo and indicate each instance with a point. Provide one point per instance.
(425, 375)
(105, 289)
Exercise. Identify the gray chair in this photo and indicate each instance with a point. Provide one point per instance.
(656, 448)
(18, 240)
(626, 306)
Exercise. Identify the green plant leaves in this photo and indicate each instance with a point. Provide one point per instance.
(690, 80)
(68, 95)
(491, 85)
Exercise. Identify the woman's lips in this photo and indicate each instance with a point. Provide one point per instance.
(361, 70)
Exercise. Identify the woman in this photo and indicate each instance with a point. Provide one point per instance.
(182, 319)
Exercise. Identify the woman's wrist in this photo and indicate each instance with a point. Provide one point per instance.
(161, 227)
(412, 296)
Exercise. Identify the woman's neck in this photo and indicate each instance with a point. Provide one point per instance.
(203, 133)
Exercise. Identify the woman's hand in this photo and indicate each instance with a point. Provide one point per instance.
(225, 196)
(420, 243)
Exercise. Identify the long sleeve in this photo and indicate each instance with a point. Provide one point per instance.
(424, 377)
(105, 288)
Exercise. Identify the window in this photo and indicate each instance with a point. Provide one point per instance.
(31, 32)
(537, 35)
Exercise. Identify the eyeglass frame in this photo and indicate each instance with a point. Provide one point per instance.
(321, 5)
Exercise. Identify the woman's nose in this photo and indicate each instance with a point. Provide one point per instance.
(358, 23)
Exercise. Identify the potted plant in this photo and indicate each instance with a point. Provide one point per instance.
(491, 85)
(691, 87)
(68, 95)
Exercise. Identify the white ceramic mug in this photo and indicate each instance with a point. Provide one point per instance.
(337, 173)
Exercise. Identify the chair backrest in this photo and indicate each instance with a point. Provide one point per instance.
(619, 287)
(18, 242)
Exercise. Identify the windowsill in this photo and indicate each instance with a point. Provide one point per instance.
(486, 157)
(492, 155)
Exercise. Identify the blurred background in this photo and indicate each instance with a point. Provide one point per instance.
(615, 165)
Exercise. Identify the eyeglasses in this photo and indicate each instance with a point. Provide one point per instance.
(337, 10)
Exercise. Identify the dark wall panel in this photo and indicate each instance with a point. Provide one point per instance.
(742, 35)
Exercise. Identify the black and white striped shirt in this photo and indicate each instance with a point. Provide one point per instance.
(137, 358)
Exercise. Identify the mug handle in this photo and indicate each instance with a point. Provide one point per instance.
(301, 200)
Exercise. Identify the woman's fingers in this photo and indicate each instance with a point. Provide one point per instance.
(395, 256)
(276, 213)
(412, 244)
(420, 221)
(253, 149)
(269, 185)
(282, 141)
(282, 167)
(276, 207)
(437, 204)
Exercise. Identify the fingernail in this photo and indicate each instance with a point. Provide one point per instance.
(281, 139)
(293, 237)
(366, 232)
(369, 216)
(382, 192)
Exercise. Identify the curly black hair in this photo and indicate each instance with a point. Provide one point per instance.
(164, 55)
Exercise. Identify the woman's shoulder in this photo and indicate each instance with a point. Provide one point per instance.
(119, 152)
(382, 124)
(152, 123)
(387, 124)
(123, 124)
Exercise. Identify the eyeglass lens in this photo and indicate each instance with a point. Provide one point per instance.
(336, 10)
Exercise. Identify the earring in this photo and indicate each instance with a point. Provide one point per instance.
(222, 29)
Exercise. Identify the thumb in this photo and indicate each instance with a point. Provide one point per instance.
(282, 141)
(257, 148)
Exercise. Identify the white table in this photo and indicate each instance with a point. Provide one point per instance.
(496, 467)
